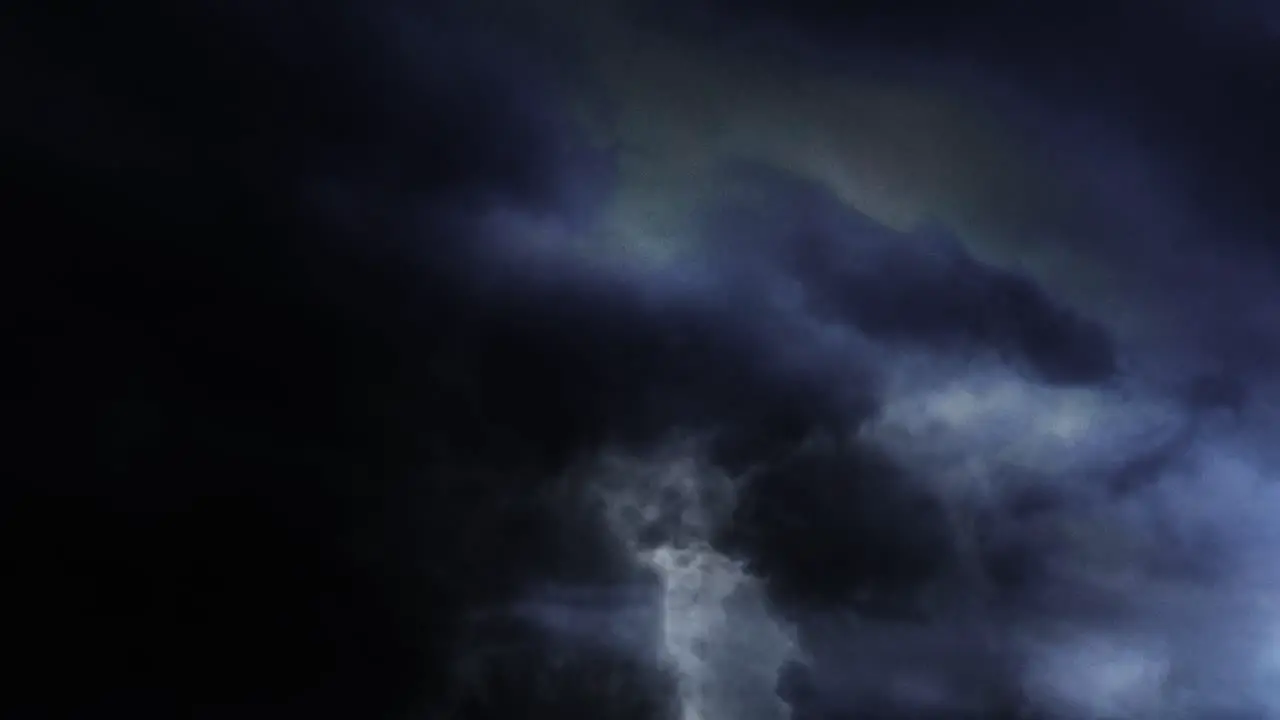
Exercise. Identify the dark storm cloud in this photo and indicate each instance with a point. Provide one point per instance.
(304, 380)
(1192, 82)
(1045, 592)
(775, 338)
(1145, 129)
(919, 288)
(289, 404)
(1199, 79)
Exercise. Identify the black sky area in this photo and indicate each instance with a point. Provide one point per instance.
(292, 403)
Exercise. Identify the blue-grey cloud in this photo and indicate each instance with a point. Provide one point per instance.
(331, 408)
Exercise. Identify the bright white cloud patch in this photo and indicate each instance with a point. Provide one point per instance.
(970, 426)
(1160, 604)
(717, 635)
(1101, 677)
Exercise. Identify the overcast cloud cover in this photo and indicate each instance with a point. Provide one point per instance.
(697, 360)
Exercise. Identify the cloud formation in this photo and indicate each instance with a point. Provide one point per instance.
(337, 400)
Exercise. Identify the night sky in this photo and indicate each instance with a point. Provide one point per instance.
(666, 360)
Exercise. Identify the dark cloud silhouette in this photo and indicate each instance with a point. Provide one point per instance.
(283, 416)
(920, 287)
(314, 413)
